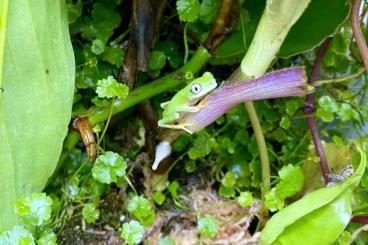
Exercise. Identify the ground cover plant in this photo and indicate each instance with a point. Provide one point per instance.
(183, 122)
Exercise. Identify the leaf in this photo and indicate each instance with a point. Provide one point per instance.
(109, 88)
(188, 10)
(141, 208)
(157, 60)
(320, 19)
(35, 100)
(159, 197)
(319, 217)
(245, 199)
(47, 238)
(132, 232)
(201, 146)
(291, 181)
(208, 226)
(90, 212)
(108, 167)
(208, 10)
(17, 236)
(35, 210)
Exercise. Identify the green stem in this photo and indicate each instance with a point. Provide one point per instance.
(163, 84)
(341, 79)
(262, 148)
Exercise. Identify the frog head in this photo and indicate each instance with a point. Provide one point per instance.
(201, 86)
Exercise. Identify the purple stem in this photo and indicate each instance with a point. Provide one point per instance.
(357, 32)
(309, 110)
(283, 83)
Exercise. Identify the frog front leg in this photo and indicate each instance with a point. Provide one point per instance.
(187, 108)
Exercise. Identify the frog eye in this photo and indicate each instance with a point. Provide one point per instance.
(196, 88)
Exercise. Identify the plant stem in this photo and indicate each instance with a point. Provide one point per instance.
(309, 110)
(357, 32)
(261, 143)
(341, 79)
(154, 88)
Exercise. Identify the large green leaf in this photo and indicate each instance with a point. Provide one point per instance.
(318, 218)
(320, 19)
(37, 83)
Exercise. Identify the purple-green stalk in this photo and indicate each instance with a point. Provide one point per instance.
(283, 83)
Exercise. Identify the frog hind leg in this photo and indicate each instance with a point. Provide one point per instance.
(178, 126)
(168, 119)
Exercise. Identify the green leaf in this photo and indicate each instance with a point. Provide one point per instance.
(35, 210)
(17, 236)
(36, 96)
(173, 188)
(229, 180)
(159, 197)
(319, 217)
(141, 208)
(208, 10)
(90, 212)
(226, 191)
(108, 167)
(208, 226)
(327, 103)
(166, 241)
(245, 199)
(132, 232)
(157, 60)
(292, 180)
(109, 88)
(320, 19)
(98, 46)
(114, 56)
(326, 116)
(47, 238)
(201, 146)
(188, 10)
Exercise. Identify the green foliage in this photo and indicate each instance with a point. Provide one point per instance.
(188, 9)
(132, 232)
(245, 199)
(90, 212)
(141, 208)
(109, 88)
(328, 207)
(321, 19)
(208, 226)
(159, 197)
(35, 210)
(157, 60)
(48, 238)
(108, 167)
(291, 181)
(17, 236)
(37, 87)
(201, 146)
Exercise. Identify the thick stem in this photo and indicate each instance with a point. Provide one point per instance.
(154, 88)
(309, 110)
(357, 32)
